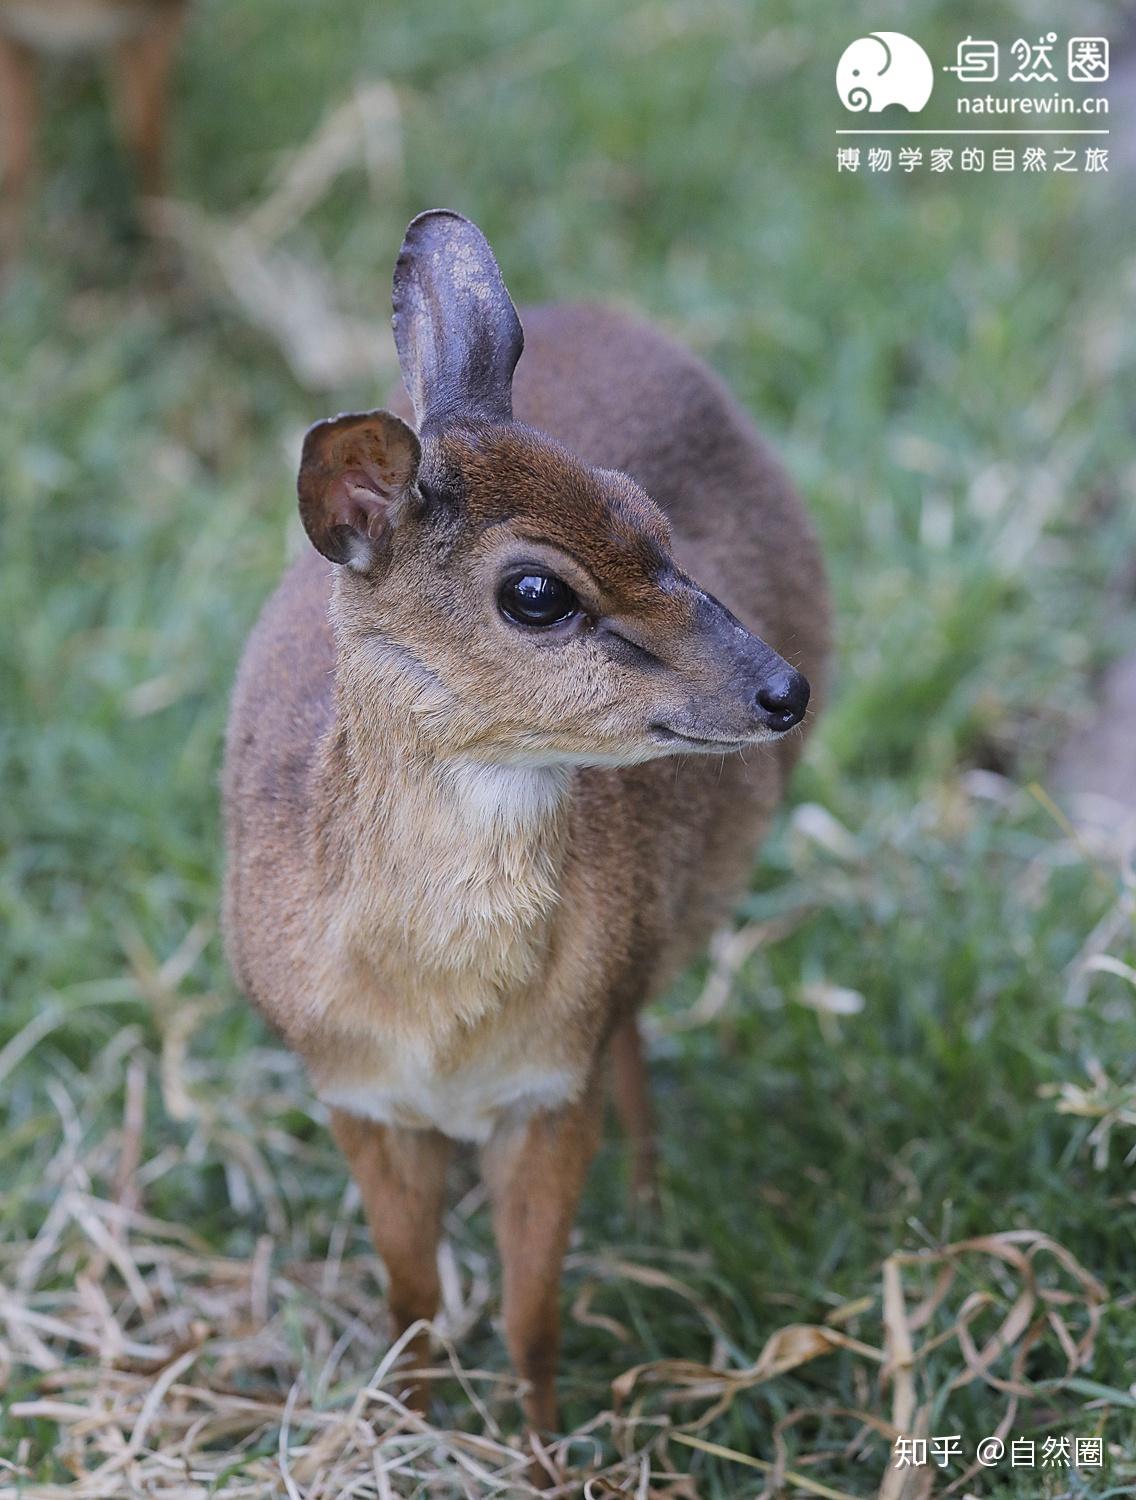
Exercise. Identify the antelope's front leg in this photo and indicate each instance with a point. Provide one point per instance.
(19, 109)
(141, 80)
(402, 1178)
(535, 1170)
(631, 1094)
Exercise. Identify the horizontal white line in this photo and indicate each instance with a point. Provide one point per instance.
(972, 132)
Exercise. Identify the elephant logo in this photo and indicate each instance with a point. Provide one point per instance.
(884, 68)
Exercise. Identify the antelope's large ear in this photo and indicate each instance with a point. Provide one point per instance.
(354, 470)
(457, 331)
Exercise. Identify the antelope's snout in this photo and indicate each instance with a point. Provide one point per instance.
(739, 690)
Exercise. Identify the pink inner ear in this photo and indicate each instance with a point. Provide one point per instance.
(357, 502)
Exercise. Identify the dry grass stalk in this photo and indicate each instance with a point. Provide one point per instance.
(290, 297)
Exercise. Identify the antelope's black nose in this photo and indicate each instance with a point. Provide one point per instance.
(782, 700)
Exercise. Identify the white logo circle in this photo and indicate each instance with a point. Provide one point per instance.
(884, 68)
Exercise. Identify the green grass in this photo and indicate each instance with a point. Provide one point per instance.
(946, 366)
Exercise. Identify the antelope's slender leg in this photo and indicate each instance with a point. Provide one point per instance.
(631, 1094)
(402, 1177)
(535, 1170)
(141, 77)
(19, 110)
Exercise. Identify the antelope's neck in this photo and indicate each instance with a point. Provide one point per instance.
(451, 869)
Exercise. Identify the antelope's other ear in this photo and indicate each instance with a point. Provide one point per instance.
(457, 331)
(354, 471)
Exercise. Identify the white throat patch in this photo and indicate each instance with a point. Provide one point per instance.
(509, 796)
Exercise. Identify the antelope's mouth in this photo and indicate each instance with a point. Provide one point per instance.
(665, 735)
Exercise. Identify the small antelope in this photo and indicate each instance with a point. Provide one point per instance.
(498, 760)
(143, 35)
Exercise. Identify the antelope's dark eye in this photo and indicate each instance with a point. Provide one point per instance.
(537, 599)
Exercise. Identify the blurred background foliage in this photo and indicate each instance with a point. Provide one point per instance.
(945, 363)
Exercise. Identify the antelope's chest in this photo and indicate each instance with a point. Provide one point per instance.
(433, 1048)
(441, 1001)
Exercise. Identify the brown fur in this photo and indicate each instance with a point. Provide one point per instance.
(406, 902)
(142, 36)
